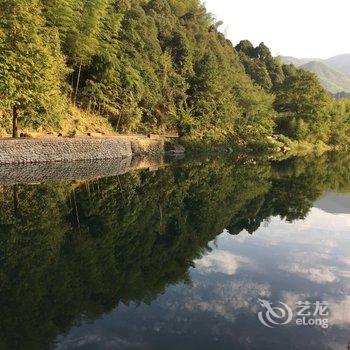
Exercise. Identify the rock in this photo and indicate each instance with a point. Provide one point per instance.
(145, 146)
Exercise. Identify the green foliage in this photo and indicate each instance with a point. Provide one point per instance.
(259, 64)
(32, 68)
(302, 106)
(151, 66)
(339, 112)
(304, 111)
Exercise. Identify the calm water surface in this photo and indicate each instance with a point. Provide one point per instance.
(178, 258)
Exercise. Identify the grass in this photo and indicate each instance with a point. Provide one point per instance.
(75, 123)
(82, 122)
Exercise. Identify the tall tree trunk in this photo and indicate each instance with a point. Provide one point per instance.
(15, 122)
(78, 82)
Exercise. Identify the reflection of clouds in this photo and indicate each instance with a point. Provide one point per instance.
(345, 260)
(220, 261)
(322, 229)
(319, 219)
(93, 340)
(226, 299)
(340, 312)
(320, 274)
(317, 248)
(291, 298)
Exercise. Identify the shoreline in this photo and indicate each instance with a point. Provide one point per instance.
(46, 150)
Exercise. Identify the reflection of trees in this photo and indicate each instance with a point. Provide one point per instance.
(294, 185)
(75, 250)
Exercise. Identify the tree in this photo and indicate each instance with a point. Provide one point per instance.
(260, 65)
(31, 65)
(246, 47)
(302, 105)
(79, 23)
(257, 71)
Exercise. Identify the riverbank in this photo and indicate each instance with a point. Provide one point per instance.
(276, 146)
(43, 150)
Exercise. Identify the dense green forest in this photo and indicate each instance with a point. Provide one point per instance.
(72, 251)
(154, 66)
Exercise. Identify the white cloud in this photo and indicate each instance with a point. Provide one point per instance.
(220, 261)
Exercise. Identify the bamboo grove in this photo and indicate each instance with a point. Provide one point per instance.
(154, 66)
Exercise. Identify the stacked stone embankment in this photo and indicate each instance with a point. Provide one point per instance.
(17, 151)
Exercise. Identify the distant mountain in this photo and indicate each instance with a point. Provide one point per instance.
(296, 61)
(334, 72)
(332, 80)
(340, 63)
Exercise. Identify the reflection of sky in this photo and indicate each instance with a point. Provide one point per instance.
(304, 260)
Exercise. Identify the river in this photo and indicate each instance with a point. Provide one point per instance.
(208, 253)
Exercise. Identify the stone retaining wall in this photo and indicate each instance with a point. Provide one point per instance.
(52, 150)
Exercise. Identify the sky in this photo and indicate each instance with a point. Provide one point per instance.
(299, 28)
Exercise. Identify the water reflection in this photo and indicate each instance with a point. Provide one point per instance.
(140, 261)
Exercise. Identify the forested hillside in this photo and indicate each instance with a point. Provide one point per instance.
(153, 66)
